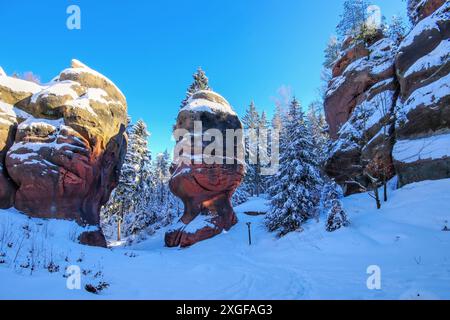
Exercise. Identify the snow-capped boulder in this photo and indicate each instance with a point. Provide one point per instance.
(359, 106)
(67, 140)
(423, 68)
(205, 188)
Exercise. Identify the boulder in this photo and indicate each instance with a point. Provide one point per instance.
(66, 146)
(205, 188)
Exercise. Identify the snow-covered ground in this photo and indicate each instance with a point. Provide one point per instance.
(405, 239)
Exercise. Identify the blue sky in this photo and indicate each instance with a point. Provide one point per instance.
(248, 48)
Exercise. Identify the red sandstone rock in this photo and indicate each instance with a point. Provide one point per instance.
(65, 156)
(423, 68)
(365, 80)
(205, 188)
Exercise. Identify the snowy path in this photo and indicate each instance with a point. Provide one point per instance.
(405, 239)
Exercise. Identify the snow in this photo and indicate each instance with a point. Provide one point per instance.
(83, 103)
(404, 238)
(63, 88)
(79, 68)
(33, 123)
(2, 72)
(203, 105)
(19, 85)
(439, 56)
(97, 94)
(428, 95)
(429, 148)
(12, 113)
(428, 23)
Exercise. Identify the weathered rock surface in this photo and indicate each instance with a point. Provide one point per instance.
(392, 106)
(205, 188)
(423, 119)
(359, 107)
(62, 145)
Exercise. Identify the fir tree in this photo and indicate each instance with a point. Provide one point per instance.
(318, 128)
(353, 18)
(332, 52)
(134, 186)
(162, 166)
(295, 188)
(200, 83)
(397, 29)
(251, 123)
(336, 216)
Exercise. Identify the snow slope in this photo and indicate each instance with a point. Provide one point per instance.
(405, 239)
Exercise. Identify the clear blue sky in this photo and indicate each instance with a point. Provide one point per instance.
(248, 48)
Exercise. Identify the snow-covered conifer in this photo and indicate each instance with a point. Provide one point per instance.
(336, 216)
(295, 188)
(332, 52)
(353, 18)
(200, 82)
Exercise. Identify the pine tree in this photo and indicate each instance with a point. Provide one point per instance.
(295, 188)
(251, 123)
(397, 29)
(200, 83)
(277, 120)
(132, 193)
(332, 52)
(162, 166)
(318, 128)
(353, 18)
(336, 216)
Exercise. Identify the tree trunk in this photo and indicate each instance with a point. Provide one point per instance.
(118, 230)
(377, 196)
(385, 191)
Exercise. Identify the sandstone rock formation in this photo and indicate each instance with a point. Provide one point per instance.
(62, 146)
(205, 189)
(390, 105)
(358, 107)
(422, 150)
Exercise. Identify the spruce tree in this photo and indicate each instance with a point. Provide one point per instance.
(318, 128)
(251, 123)
(353, 18)
(295, 188)
(336, 216)
(397, 29)
(332, 52)
(127, 204)
(200, 83)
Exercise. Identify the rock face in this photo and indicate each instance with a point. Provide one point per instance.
(359, 106)
(422, 150)
(205, 189)
(62, 146)
(391, 105)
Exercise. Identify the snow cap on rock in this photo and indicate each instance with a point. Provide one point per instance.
(208, 101)
(2, 72)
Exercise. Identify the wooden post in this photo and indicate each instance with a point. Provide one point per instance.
(249, 233)
(118, 229)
